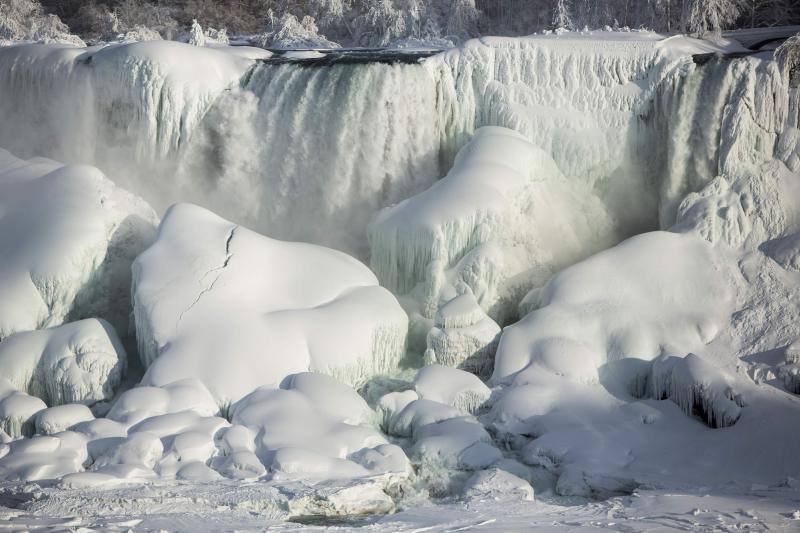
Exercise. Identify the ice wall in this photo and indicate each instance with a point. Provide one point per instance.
(265, 144)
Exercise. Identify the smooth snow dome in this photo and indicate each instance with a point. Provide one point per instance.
(79, 362)
(237, 310)
(655, 293)
(81, 233)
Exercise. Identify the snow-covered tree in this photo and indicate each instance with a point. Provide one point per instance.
(25, 20)
(196, 35)
(462, 20)
(288, 32)
(710, 15)
(561, 16)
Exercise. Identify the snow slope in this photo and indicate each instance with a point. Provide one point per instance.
(237, 310)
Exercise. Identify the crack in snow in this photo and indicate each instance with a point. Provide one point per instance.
(219, 269)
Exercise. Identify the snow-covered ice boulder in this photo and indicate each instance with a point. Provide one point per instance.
(497, 484)
(300, 433)
(141, 403)
(463, 336)
(441, 436)
(17, 413)
(655, 293)
(61, 418)
(44, 457)
(79, 362)
(237, 310)
(451, 386)
(69, 237)
(501, 220)
(746, 211)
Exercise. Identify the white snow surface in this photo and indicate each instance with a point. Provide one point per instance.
(238, 310)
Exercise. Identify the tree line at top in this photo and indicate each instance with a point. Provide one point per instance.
(386, 22)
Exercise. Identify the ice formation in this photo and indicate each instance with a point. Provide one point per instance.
(79, 362)
(237, 310)
(498, 223)
(18, 411)
(463, 336)
(451, 386)
(81, 233)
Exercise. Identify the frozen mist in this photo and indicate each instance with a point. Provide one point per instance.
(548, 281)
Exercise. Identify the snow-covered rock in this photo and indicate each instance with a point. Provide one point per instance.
(69, 237)
(61, 418)
(18, 411)
(237, 310)
(79, 362)
(497, 484)
(140, 403)
(463, 336)
(655, 293)
(451, 386)
(331, 442)
(498, 223)
(44, 457)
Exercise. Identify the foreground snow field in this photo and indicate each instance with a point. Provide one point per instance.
(581, 311)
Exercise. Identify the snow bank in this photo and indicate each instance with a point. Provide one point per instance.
(78, 362)
(237, 310)
(81, 234)
(655, 293)
(501, 217)
(451, 386)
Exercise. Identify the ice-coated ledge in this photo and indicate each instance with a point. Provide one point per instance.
(237, 310)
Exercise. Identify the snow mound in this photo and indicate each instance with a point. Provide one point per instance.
(237, 310)
(655, 293)
(451, 386)
(18, 411)
(440, 436)
(79, 362)
(497, 484)
(698, 388)
(498, 223)
(328, 444)
(746, 211)
(140, 403)
(61, 418)
(44, 457)
(81, 235)
(463, 336)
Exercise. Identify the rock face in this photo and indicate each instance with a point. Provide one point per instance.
(81, 234)
(237, 310)
(79, 362)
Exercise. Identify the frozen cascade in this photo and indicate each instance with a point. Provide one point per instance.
(263, 143)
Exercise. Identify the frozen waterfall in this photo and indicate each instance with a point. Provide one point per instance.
(265, 143)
